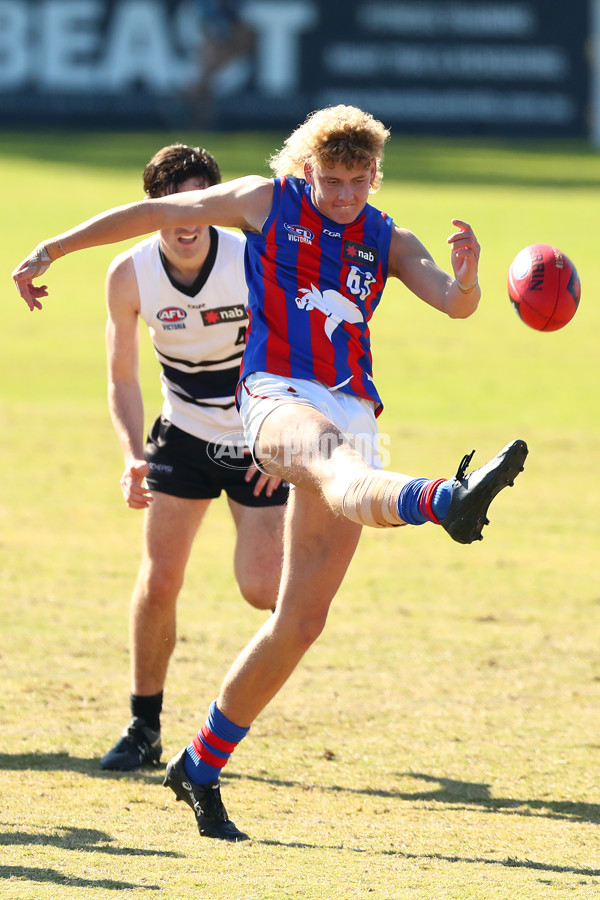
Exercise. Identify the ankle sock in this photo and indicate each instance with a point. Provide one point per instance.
(147, 708)
(423, 500)
(212, 747)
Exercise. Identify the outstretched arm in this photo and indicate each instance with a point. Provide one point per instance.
(243, 203)
(412, 263)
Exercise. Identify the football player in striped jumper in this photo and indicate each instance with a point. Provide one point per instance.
(318, 256)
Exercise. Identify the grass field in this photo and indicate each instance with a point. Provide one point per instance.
(440, 742)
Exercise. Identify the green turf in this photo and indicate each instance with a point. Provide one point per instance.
(440, 742)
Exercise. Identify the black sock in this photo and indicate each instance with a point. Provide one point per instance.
(147, 708)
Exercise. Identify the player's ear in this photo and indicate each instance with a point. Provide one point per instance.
(373, 170)
(308, 172)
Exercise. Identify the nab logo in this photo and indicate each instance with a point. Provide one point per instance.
(224, 314)
(298, 233)
(171, 314)
(359, 253)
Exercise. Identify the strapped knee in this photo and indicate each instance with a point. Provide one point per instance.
(372, 499)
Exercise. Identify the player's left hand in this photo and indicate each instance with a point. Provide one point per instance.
(266, 483)
(465, 252)
(32, 267)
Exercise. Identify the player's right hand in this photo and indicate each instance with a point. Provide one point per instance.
(264, 482)
(32, 267)
(133, 486)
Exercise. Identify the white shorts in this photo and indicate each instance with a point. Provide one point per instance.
(260, 393)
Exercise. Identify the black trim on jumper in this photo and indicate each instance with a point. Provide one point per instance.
(203, 363)
(203, 385)
(191, 290)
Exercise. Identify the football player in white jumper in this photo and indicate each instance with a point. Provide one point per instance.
(189, 287)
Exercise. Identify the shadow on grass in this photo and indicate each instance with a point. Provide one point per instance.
(45, 876)
(81, 840)
(455, 793)
(64, 762)
(511, 862)
(465, 794)
(67, 837)
(460, 794)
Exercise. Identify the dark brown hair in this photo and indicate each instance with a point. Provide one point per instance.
(172, 165)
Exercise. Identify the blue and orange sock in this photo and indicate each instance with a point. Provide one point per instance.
(422, 500)
(212, 747)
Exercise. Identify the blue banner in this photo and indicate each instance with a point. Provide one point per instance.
(423, 66)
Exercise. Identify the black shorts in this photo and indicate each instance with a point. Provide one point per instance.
(185, 466)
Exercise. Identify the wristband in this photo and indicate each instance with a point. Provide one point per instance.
(56, 247)
(466, 288)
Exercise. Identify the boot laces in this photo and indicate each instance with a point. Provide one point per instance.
(214, 807)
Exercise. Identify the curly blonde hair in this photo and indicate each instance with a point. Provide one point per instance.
(337, 134)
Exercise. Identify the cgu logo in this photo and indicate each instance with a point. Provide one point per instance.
(171, 314)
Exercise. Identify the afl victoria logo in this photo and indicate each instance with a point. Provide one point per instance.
(171, 314)
(300, 233)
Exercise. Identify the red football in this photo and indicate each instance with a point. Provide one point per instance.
(544, 288)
